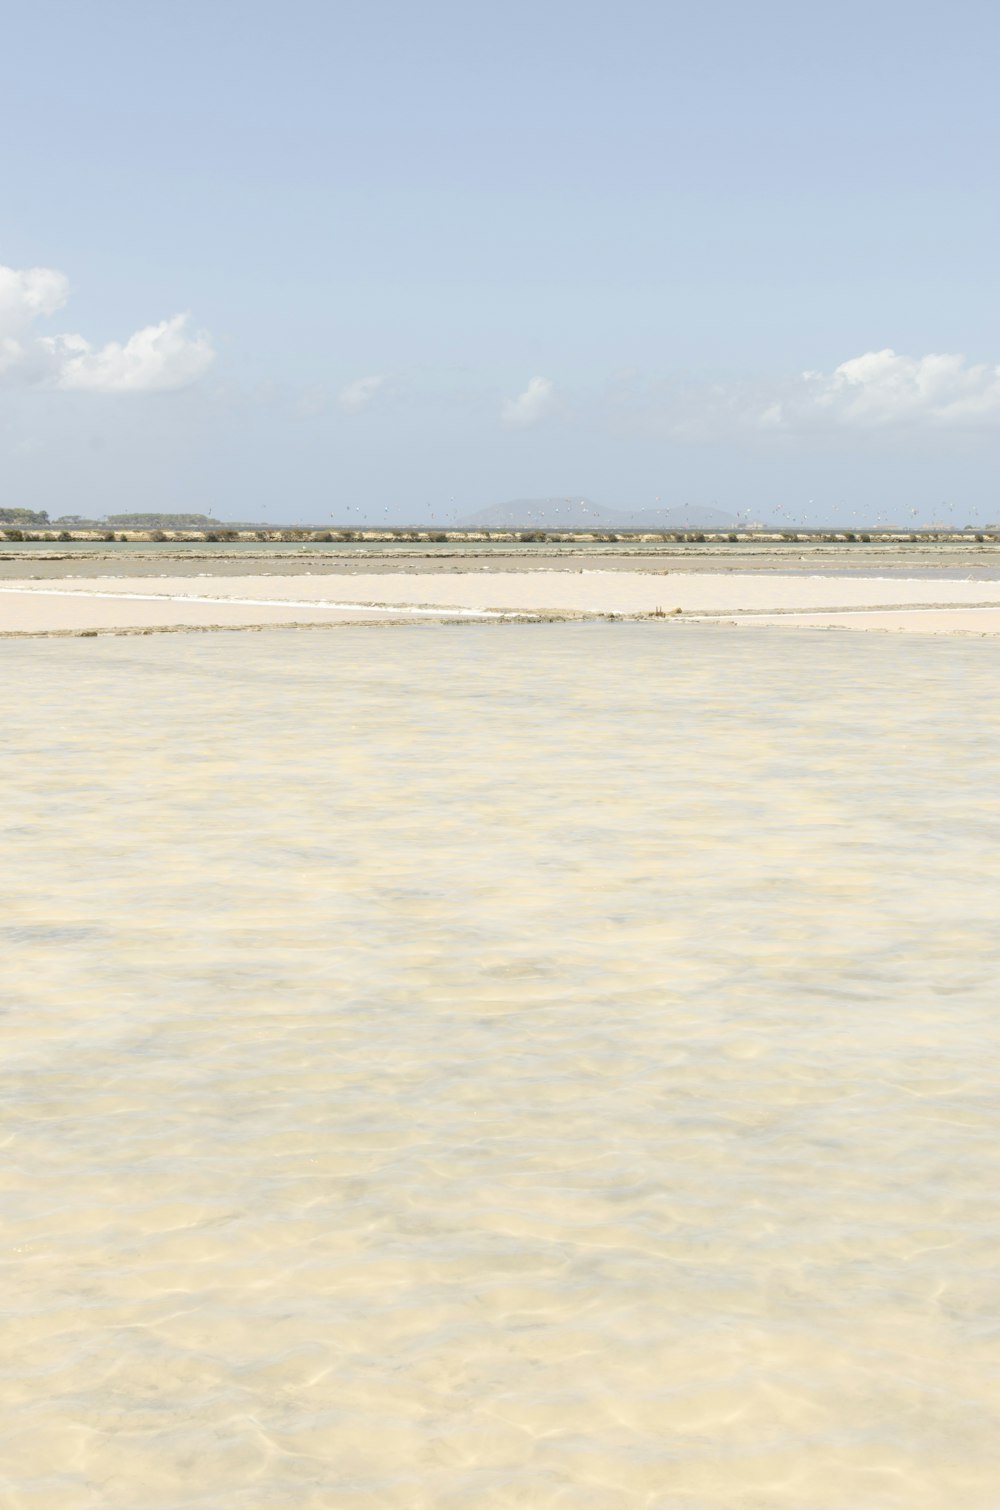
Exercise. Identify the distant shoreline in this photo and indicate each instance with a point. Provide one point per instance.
(16, 535)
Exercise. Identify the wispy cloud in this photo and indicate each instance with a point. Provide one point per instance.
(882, 389)
(359, 394)
(530, 406)
(156, 358)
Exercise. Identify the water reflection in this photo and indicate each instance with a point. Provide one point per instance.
(532, 1065)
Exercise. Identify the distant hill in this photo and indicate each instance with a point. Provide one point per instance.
(583, 514)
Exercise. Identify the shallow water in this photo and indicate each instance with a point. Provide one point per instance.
(542, 1065)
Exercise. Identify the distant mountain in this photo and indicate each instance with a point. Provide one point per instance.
(583, 514)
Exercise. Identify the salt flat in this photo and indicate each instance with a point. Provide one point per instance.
(32, 605)
(549, 1066)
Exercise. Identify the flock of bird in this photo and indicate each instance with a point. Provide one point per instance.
(781, 514)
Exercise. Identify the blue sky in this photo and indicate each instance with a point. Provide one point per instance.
(438, 255)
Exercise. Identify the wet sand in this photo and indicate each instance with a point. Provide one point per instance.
(964, 561)
(857, 602)
(550, 1067)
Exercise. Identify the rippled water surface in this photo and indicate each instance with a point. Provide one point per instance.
(545, 1065)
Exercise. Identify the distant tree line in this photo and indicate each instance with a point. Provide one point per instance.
(178, 522)
(38, 519)
(163, 522)
(25, 518)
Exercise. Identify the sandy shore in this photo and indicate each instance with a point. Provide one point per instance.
(100, 603)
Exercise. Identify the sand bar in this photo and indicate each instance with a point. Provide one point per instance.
(49, 610)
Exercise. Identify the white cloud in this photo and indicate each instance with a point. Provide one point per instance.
(359, 394)
(157, 357)
(530, 406)
(882, 388)
(29, 292)
(154, 358)
(25, 295)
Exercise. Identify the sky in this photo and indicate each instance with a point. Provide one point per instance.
(366, 260)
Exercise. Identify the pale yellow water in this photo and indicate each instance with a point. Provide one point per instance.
(545, 1065)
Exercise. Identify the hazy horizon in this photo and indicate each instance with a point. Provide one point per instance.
(552, 514)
